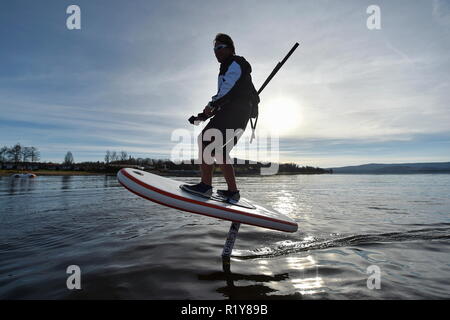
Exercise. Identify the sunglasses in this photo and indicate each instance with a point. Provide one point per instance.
(220, 46)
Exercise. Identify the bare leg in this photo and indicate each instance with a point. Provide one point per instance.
(207, 173)
(228, 173)
(206, 170)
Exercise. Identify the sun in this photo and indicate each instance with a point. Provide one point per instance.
(281, 116)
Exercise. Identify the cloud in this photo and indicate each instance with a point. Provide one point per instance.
(136, 73)
(441, 12)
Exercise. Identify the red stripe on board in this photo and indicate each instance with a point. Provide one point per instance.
(171, 195)
(205, 214)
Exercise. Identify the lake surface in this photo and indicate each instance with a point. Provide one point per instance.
(129, 248)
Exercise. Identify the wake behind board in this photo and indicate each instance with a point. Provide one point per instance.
(167, 192)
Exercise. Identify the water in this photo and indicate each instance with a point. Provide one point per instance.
(128, 247)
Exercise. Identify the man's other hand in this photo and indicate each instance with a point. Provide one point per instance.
(208, 111)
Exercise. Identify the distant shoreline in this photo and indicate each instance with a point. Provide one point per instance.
(51, 173)
(7, 173)
(55, 173)
(396, 168)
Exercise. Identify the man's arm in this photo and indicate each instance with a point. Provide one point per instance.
(229, 80)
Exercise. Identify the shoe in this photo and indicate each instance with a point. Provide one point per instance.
(230, 195)
(201, 189)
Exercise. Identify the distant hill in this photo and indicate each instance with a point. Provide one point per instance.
(400, 168)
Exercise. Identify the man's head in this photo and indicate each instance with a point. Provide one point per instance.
(223, 47)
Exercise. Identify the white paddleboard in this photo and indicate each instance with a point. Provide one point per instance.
(167, 192)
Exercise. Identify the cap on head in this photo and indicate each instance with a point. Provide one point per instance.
(225, 39)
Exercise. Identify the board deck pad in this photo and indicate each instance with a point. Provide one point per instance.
(168, 192)
(217, 197)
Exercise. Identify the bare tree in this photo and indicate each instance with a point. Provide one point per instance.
(123, 156)
(15, 153)
(68, 159)
(108, 156)
(35, 154)
(3, 154)
(26, 154)
(114, 156)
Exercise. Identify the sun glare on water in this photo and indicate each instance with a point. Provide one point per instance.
(280, 116)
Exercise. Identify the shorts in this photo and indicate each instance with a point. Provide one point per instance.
(233, 117)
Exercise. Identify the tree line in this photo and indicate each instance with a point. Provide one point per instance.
(114, 156)
(122, 157)
(19, 153)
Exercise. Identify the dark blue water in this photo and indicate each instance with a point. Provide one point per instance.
(127, 247)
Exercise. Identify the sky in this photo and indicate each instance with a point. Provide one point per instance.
(137, 70)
